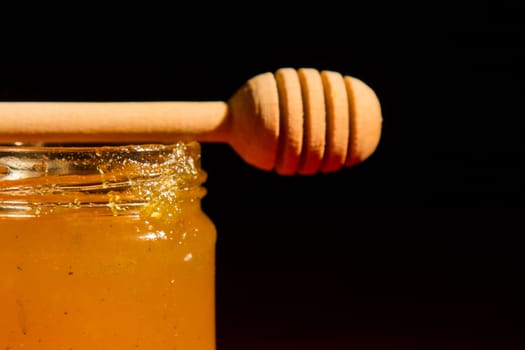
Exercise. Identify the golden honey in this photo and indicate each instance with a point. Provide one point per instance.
(105, 248)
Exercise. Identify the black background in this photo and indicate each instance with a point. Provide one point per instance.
(416, 248)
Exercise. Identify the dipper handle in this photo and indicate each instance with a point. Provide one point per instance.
(291, 121)
(114, 122)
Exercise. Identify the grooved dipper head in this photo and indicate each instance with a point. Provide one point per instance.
(304, 121)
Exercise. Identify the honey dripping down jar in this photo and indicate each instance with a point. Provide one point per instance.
(105, 248)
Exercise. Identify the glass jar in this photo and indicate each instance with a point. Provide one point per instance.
(105, 248)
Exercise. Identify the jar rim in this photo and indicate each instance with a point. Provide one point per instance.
(112, 175)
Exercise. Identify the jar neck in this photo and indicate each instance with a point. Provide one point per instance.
(154, 179)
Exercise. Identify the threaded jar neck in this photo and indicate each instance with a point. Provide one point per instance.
(152, 178)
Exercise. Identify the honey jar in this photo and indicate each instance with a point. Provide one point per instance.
(105, 248)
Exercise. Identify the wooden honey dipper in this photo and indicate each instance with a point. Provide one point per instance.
(294, 121)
